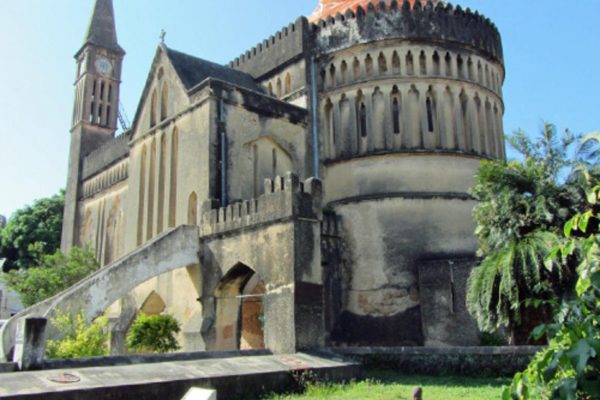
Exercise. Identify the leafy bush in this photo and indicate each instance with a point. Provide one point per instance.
(54, 274)
(154, 333)
(81, 340)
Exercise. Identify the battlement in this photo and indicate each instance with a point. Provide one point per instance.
(284, 198)
(276, 51)
(397, 19)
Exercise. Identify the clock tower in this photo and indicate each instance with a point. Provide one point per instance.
(95, 111)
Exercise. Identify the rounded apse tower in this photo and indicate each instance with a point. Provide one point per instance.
(410, 102)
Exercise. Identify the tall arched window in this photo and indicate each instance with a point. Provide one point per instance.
(173, 176)
(429, 105)
(396, 110)
(369, 65)
(151, 187)
(162, 165)
(396, 63)
(436, 63)
(382, 64)
(141, 194)
(344, 73)
(410, 65)
(422, 63)
(153, 106)
(279, 88)
(361, 112)
(448, 60)
(460, 67)
(332, 76)
(356, 69)
(329, 117)
(164, 101)
(288, 83)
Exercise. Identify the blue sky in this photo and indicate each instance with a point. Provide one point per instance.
(551, 49)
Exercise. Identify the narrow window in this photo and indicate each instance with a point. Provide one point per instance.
(332, 76)
(344, 72)
(410, 66)
(255, 170)
(288, 83)
(94, 90)
(429, 114)
(423, 63)
(164, 100)
(369, 65)
(470, 69)
(362, 116)
(173, 174)
(382, 64)
(141, 194)
(274, 162)
(102, 90)
(396, 115)
(460, 67)
(448, 65)
(107, 116)
(193, 209)
(279, 88)
(99, 118)
(356, 69)
(396, 63)
(270, 89)
(436, 64)
(109, 93)
(153, 105)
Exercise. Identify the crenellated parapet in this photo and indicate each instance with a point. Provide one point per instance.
(279, 49)
(285, 198)
(398, 20)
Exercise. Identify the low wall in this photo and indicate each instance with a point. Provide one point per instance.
(461, 361)
(133, 359)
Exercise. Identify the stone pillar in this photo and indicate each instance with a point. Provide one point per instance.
(30, 343)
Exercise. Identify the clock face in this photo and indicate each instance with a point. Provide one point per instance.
(103, 66)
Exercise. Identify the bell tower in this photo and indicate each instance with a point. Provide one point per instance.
(97, 82)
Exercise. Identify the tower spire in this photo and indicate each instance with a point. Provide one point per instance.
(102, 31)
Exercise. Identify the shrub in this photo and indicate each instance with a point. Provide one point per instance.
(81, 339)
(154, 333)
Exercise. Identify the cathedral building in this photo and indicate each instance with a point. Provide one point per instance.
(325, 173)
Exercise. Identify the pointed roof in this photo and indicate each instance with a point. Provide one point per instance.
(102, 30)
(193, 70)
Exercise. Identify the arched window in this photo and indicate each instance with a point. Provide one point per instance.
(470, 69)
(460, 67)
(422, 63)
(396, 110)
(332, 76)
(141, 194)
(410, 65)
(344, 72)
(151, 186)
(448, 61)
(162, 166)
(356, 69)
(395, 63)
(279, 88)
(436, 63)
(382, 64)
(369, 65)
(173, 178)
(429, 106)
(102, 91)
(329, 117)
(288, 83)
(362, 119)
(109, 93)
(164, 101)
(153, 106)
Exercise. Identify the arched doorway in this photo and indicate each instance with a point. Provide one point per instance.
(239, 310)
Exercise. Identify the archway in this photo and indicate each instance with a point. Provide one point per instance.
(239, 310)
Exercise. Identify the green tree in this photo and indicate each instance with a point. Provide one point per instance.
(155, 333)
(31, 230)
(569, 368)
(522, 207)
(80, 339)
(54, 273)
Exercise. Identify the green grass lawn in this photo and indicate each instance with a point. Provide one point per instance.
(388, 385)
